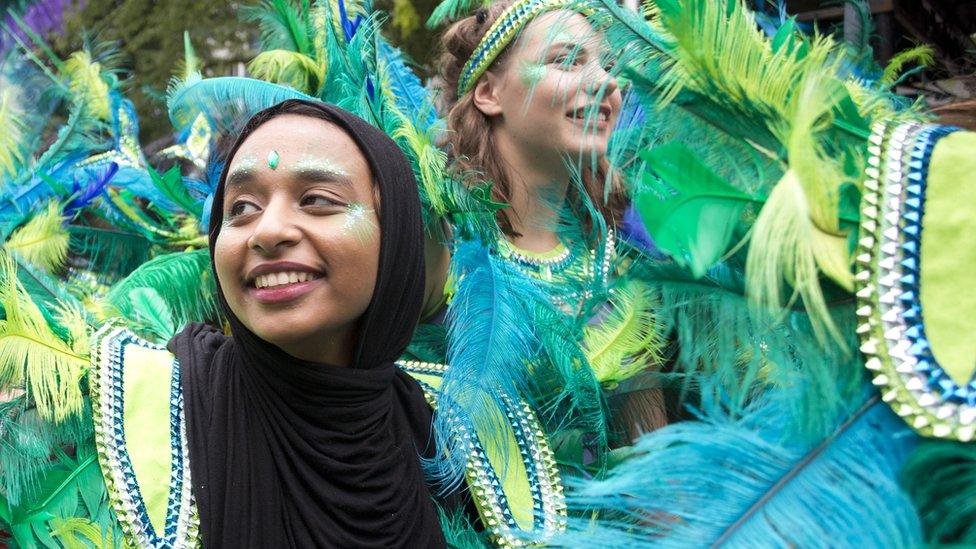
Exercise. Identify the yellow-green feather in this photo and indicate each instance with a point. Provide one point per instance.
(86, 84)
(11, 138)
(288, 68)
(629, 339)
(42, 241)
(33, 357)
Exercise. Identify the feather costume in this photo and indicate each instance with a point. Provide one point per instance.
(769, 187)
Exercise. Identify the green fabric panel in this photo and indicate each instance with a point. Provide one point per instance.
(508, 466)
(146, 386)
(948, 255)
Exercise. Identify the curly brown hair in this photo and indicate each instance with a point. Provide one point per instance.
(469, 139)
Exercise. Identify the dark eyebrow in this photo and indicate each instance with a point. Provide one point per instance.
(239, 177)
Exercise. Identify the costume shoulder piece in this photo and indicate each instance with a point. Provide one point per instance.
(141, 438)
(914, 283)
(518, 493)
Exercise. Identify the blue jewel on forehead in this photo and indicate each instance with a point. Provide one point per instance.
(273, 159)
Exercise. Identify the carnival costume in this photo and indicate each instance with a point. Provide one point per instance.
(796, 220)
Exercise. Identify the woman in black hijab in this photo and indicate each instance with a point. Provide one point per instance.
(301, 430)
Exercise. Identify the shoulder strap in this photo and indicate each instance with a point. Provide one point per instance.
(137, 407)
(515, 486)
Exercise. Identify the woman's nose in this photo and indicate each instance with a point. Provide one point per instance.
(274, 230)
(600, 81)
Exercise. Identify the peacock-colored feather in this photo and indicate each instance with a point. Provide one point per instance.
(489, 349)
(34, 357)
(741, 480)
(43, 241)
(227, 101)
(720, 338)
(180, 281)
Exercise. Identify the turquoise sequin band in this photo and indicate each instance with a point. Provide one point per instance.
(500, 35)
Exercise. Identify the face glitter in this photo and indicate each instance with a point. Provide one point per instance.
(532, 72)
(358, 223)
(273, 159)
(310, 162)
(246, 163)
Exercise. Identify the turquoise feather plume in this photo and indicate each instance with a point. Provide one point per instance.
(742, 481)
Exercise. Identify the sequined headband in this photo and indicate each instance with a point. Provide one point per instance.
(499, 35)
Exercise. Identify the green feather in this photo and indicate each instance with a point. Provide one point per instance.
(171, 185)
(450, 10)
(282, 25)
(690, 211)
(110, 252)
(923, 55)
(940, 477)
(183, 291)
(33, 356)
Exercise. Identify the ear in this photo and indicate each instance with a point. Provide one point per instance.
(485, 95)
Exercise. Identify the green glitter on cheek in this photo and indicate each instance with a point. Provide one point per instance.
(358, 223)
(273, 160)
(532, 72)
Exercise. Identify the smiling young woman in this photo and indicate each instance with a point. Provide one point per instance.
(298, 249)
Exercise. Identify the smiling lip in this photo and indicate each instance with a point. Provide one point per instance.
(599, 123)
(285, 292)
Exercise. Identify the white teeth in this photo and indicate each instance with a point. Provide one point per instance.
(280, 279)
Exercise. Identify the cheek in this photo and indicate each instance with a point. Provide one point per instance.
(227, 259)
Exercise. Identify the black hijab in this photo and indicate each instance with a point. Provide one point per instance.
(289, 453)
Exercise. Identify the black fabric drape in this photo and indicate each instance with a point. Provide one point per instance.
(289, 453)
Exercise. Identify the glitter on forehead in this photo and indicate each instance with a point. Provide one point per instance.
(245, 163)
(312, 162)
(358, 223)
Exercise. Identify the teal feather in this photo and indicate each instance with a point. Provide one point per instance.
(489, 344)
(742, 481)
(227, 101)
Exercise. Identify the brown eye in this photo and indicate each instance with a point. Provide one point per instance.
(318, 200)
(242, 207)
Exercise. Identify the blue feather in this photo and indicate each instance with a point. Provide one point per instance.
(82, 194)
(411, 97)
(744, 481)
(491, 340)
